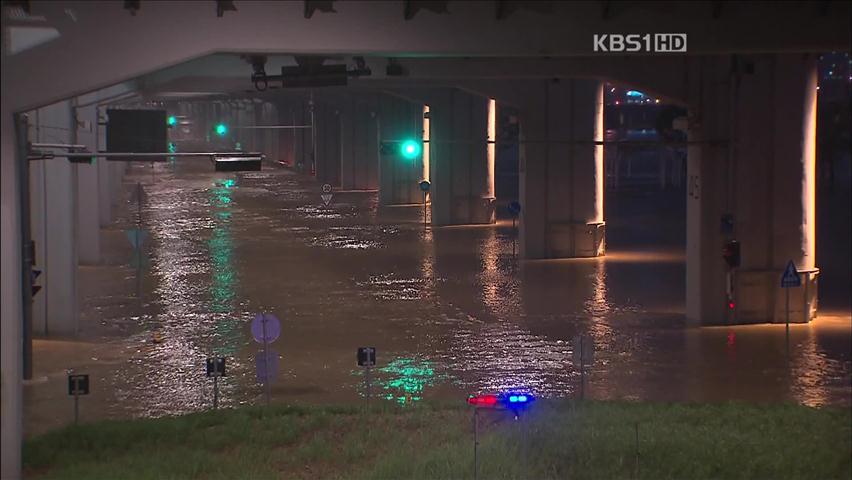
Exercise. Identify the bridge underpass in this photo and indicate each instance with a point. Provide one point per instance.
(751, 127)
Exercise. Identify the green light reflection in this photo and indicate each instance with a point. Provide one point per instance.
(224, 281)
(405, 378)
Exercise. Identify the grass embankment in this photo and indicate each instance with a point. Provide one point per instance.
(593, 440)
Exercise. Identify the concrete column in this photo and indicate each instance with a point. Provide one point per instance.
(561, 170)
(328, 143)
(53, 194)
(359, 154)
(11, 307)
(461, 159)
(399, 120)
(757, 117)
(88, 201)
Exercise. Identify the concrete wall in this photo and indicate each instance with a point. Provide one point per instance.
(359, 144)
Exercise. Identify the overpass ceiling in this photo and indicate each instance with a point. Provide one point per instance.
(221, 75)
(100, 43)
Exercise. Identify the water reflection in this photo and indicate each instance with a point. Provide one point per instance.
(223, 285)
(404, 379)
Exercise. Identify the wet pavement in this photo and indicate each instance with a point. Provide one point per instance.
(449, 310)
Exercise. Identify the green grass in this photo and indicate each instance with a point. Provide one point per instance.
(554, 440)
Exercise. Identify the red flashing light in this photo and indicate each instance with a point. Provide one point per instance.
(731, 305)
(487, 401)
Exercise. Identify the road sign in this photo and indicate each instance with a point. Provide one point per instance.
(584, 350)
(326, 188)
(366, 356)
(137, 237)
(266, 366)
(326, 198)
(790, 278)
(425, 185)
(265, 328)
(216, 367)
(78, 384)
(515, 208)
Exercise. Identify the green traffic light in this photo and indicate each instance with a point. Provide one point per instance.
(221, 129)
(410, 149)
(172, 120)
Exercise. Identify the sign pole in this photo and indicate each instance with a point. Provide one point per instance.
(266, 358)
(215, 393)
(424, 209)
(514, 236)
(475, 443)
(369, 387)
(787, 308)
(76, 403)
(582, 371)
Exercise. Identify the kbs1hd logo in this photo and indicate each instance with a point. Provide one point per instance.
(647, 43)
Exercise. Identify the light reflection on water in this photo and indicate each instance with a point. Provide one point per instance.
(449, 309)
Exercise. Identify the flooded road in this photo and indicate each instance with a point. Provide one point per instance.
(449, 310)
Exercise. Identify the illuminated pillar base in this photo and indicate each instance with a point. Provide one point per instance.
(753, 162)
(561, 170)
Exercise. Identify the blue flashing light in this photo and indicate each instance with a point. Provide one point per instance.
(518, 399)
(635, 93)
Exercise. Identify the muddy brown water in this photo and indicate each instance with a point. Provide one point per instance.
(449, 309)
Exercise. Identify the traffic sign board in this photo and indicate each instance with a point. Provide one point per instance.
(137, 237)
(425, 185)
(326, 198)
(326, 188)
(265, 328)
(790, 278)
(78, 384)
(366, 356)
(515, 208)
(216, 367)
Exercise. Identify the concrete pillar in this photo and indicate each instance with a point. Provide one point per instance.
(399, 120)
(53, 195)
(11, 306)
(88, 201)
(561, 170)
(756, 117)
(461, 159)
(359, 150)
(328, 143)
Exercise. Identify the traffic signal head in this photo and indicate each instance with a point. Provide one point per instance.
(731, 253)
(171, 121)
(221, 129)
(409, 149)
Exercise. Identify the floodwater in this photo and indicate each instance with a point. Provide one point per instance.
(449, 310)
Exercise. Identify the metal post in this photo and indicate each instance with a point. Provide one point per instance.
(475, 443)
(514, 236)
(369, 386)
(27, 259)
(787, 302)
(424, 209)
(266, 358)
(215, 392)
(637, 452)
(582, 371)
